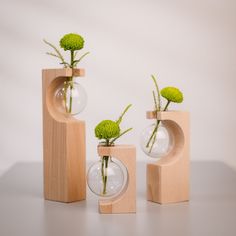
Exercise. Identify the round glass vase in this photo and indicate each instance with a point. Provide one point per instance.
(156, 140)
(107, 177)
(70, 98)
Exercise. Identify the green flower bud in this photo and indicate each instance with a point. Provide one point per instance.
(172, 94)
(107, 129)
(72, 42)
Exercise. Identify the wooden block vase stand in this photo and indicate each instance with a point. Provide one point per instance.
(168, 178)
(125, 202)
(63, 143)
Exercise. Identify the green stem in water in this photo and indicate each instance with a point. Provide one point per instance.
(153, 141)
(64, 95)
(154, 133)
(71, 81)
(102, 169)
(104, 174)
(105, 159)
(71, 99)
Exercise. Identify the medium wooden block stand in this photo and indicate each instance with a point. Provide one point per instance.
(168, 178)
(125, 202)
(63, 143)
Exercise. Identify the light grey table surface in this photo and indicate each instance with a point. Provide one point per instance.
(211, 210)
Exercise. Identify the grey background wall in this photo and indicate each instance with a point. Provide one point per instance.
(188, 44)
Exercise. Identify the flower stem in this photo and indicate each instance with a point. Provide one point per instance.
(126, 131)
(102, 169)
(122, 114)
(154, 133)
(72, 58)
(64, 95)
(158, 103)
(167, 104)
(71, 80)
(105, 160)
(153, 141)
(71, 98)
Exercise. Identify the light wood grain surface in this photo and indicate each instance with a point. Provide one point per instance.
(168, 178)
(63, 144)
(126, 201)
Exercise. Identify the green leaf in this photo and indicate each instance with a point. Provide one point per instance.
(77, 61)
(158, 100)
(124, 132)
(122, 114)
(65, 63)
(52, 54)
(59, 55)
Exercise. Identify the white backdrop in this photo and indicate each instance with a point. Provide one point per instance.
(188, 44)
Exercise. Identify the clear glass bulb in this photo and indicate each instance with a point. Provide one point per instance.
(107, 179)
(70, 98)
(160, 144)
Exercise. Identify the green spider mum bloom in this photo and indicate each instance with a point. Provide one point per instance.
(172, 94)
(107, 129)
(72, 42)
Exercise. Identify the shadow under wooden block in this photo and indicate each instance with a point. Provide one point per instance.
(63, 143)
(125, 202)
(168, 178)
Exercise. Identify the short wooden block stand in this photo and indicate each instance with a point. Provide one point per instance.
(125, 202)
(168, 178)
(63, 144)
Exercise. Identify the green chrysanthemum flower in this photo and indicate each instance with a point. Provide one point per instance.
(172, 94)
(107, 129)
(72, 42)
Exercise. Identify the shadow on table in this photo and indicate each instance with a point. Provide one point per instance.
(212, 181)
(23, 178)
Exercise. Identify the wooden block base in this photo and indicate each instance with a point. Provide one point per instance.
(63, 144)
(126, 201)
(168, 178)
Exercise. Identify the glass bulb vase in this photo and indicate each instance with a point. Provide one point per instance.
(70, 98)
(113, 179)
(107, 177)
(156, 140)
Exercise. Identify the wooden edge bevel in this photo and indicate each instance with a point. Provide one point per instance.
(65, 72)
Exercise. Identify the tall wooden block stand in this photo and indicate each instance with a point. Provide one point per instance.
(125, 202)
(168, 178)
(63, 143)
